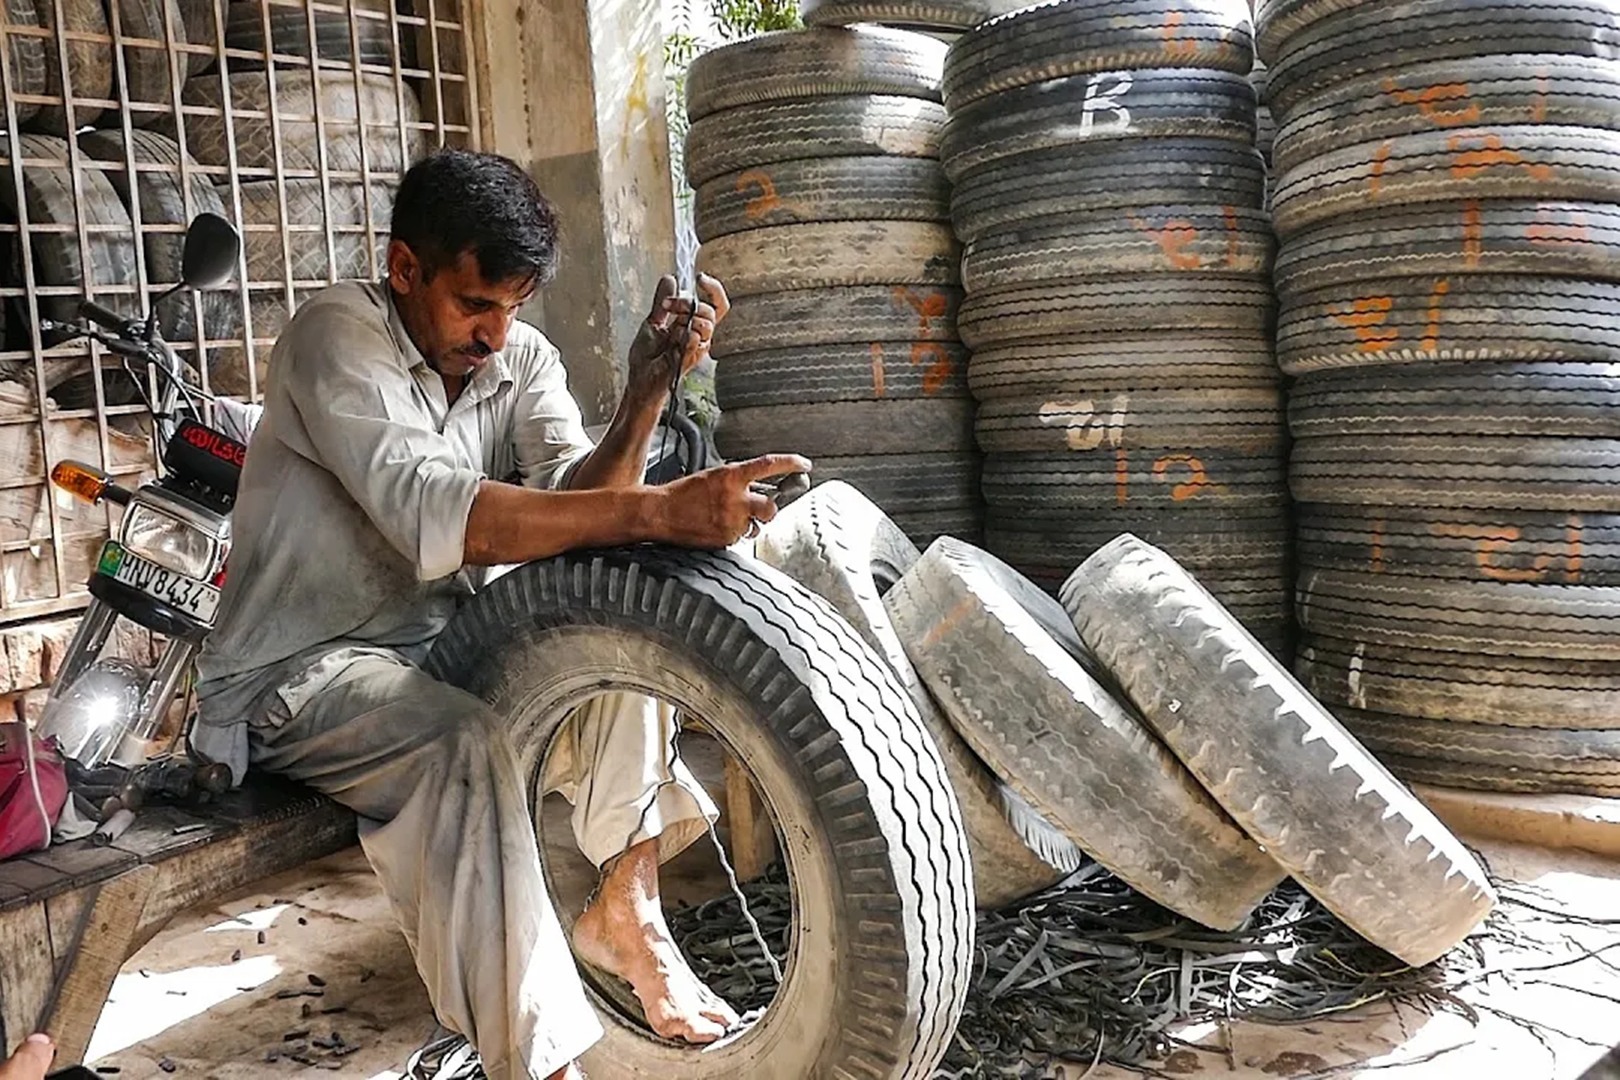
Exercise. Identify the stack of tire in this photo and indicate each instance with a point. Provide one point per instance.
(1117, 271)
(821, 205)
(1448, 210)
(943, 19)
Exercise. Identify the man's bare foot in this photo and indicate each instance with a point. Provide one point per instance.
(30, 1061)
(623, 932)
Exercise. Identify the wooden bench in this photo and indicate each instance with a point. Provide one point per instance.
(71, 916)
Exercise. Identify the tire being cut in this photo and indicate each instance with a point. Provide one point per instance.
(822, 190)
(870, 829)
(861, 125)
(1284, 768)
(827, 254)
(1006, 669)
(839, 545)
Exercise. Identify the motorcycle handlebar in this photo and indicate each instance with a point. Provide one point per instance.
(105, 318)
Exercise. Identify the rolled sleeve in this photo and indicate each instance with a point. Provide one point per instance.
(548, 434)
(366, 424)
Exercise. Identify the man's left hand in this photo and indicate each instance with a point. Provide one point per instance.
(676, 334)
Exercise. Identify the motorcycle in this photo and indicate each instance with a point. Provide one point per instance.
(162, 569)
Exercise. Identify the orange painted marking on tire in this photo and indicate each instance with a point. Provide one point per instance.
(928, 304)
(1175, 46)
(1489, 543)
(1547, 230)
(1377, 561)
(1538, 103)
(1469, 160)
(1177, 235)
(766, 201)
(1232, 236)
(1122, 475)
(940, 366)
(1473, 234)
(1429, 102)
(1431, 329)
(1198, 476)
(945, 625)
(1380, 162)
(1364, 317)
(877, 370)
(1574, 554)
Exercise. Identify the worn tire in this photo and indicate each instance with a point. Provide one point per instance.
(1265, 121)
(1145, 421)
(1193, 480)
(920, 491)
(869, 826)
(1276, 760)
(1004, 665)
(829, 254)
(940, 15)
(1061, 38)
(851, 314)
(1459, 317)
(822, 190)
(839, 545)
(29, 74)
(146, 71)
(875, 371)
(90, 65)
(1107, 176)
(793, 65)
(1180, 301)
(289, 34)
(1107, 363)
(199, 16)
(309, 214)
(849, 428)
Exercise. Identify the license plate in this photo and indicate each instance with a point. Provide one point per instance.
(196, 598)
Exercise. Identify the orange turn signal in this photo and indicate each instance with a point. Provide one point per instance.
(86, 481)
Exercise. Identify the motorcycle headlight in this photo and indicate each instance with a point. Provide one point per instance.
(169, 542)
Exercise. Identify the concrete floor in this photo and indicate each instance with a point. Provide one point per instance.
(204, 998)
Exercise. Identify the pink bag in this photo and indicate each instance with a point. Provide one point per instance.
(23, 825)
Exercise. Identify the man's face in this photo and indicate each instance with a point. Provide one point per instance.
(457, 319)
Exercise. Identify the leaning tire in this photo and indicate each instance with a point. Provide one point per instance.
(870, 830)
(1276, 760)
(1004, 665)
(838, 544)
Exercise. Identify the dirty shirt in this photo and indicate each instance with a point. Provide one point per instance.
(350, 520)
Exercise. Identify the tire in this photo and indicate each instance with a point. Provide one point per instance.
(198, 16)
(376, 105)
(760, 136)
(90, 65)
(945, 15)
(1061, 38)
(1195, 482)
(875, 371)
(848, 428)
(793, 65)
(1276, 760)
(1154, 104)
(146, 71)
(1179, 301)
(289, 34)
(1504, 545)
(851, 314)
(915, 490)
(1265, 121)
(1540, 162)
(163, 202)
(1004, 665)
(1247, 421)
(1480, 92)
(1339, 46)
(1229, 241)
(309, 215)
(1509, 473)
(1574, 622)
(1525, 693)
(868, 823)
(830, 254)
(1459, 317)
(1103, 363)
(822, 190)
(29, 74)
(1487, 758)
(1116, 176)
(839, 545)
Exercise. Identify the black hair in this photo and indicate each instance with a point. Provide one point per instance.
(454, 201)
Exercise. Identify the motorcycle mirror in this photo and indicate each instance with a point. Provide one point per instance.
(211, 252)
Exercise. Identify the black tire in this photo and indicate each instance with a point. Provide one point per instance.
(863, 125)
(1060, 38)
(1192, 481)
(1480, 92)
(839, 545)
(1349, 43)
(1276, 760)
(822, 189)
(1513, 619)
(848, 428)
(919, 492)
(1459, 317)
(1523, 692)
(146, 71)
(1178, 301)
(1229, 241)
(851, 314)
(828, 254)
(793, 65)
(29, 74)
(1541, 547)
(376, 105)
(1007, 670)
(1265, 121)
(1528, 161)
(1154, 104)
(1107, 176)
(289, 33)
(90, 65)
(1103, 363)
(1150, 421)
(199, 16)
(875, 371)
(163, 202)
(943, 15)
(309, 214)
(1517, 473)
(869, 826)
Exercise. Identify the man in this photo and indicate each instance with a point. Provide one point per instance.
(371, 496)
(30, 1061)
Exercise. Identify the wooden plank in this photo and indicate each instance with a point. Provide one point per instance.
(83, 862)
(1582, 822)
(153, 837)
(753, 841)
(25, 972)
(36, 881)
(104, 934)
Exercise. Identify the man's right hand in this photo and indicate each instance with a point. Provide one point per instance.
(30, 1061)
(715, 508)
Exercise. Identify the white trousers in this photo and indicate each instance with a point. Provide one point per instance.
(445, 822)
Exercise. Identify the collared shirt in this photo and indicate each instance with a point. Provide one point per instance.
(350, 520)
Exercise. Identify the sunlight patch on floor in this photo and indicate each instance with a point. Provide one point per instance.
(141, 1006)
